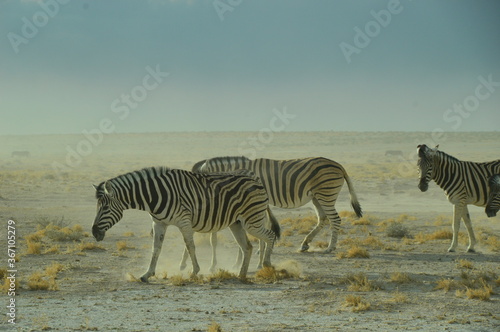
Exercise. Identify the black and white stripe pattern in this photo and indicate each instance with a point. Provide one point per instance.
(193, 202)
(493, 204)
(464, 183)
(293, 183)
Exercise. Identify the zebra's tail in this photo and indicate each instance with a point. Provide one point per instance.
(354, 199)
(275, 226)
(197, 166)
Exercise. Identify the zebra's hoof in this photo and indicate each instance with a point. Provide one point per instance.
(182, 267)
(304, 248)
(328, 251)
(471, 250)
(451, 250)
(144, 279)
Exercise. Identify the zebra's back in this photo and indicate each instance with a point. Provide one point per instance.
(289, 183)
(476, 176)
(214, 201)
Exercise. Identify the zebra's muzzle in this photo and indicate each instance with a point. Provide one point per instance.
(423, 186)
(98, 234)
(491, 212)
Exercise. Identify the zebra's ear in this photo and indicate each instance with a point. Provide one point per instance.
(108, 189)
(437, 146)
(95, 187)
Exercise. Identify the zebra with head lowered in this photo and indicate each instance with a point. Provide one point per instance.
(294, 183)
(464, 183)
(493, 204)
(193, 202)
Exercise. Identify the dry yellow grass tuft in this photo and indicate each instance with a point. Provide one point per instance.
(6, 285)
(401, 278)
(52, 250)
(447, 285)
(354, 252)
(33, 247)
(404, 217)
(440, 235)
(400, 297)
(359, 283)
(53, 270)
(466, 264)
(493, 242)
(214, 327)
(221, 275)
(178, 280)
(286, 270)
(84, 246)
(356, 303)
(483, 293)
(123, 245)
(442, 220)
(302, 225)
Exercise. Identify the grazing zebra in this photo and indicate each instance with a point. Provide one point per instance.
(493, 204)
(294, 183)
(193, 202)
(464, 182)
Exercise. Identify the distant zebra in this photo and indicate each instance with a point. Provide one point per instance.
(24, 154)
(294, 183)
(493, 204)
(464, 182)
(393, 153)
(193, 202)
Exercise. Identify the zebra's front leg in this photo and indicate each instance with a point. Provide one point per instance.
(187, 233)
(458, 210)
(159, 230)
(468, 225)
(213, 244)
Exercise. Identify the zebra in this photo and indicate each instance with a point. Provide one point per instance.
(213, 235)
(194, 203)
(294, 183)
(464, 183)
(493, 204)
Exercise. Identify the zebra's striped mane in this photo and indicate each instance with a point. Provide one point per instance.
(106, 186)
(228, 159)
(428, 154)
(444, 155)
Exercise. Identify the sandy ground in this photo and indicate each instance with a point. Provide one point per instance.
(93, 288)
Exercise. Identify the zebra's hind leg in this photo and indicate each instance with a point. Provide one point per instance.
(187, 233)
(322, 221)
(468, 225)
(183, 263)
(246, 247)
(159, 230)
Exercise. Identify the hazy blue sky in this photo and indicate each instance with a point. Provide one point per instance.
(233, 64)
